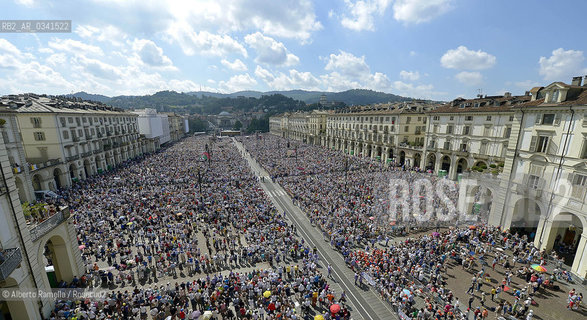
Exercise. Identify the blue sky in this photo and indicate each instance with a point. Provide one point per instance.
(435, 49)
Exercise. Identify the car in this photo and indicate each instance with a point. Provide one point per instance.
(45, 195)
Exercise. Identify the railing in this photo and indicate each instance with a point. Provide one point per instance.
(51, 223)
(75, 139)
(12, 259)
(72, 158)
(86, 154)
(45, 164)
(97, 151)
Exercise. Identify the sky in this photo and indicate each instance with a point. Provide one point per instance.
(431, 49)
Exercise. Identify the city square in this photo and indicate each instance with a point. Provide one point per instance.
(293, 160)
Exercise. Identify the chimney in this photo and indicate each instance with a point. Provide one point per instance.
(507, 95)
(576, 81)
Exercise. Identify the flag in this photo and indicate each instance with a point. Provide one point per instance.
(205, 156)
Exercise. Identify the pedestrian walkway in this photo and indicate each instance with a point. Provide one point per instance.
(364, 301)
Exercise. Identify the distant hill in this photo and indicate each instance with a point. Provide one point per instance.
(204, 102)
(90, 96)
(349, 97)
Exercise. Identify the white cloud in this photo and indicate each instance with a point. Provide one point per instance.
(237, 83)
(8, 48)
(464, 59)
(151, 55)
(423, 91)
(409, 75)
(98, 68)
(106, 33)
(270, 51)
(75, 47)
(204, 42)
(26, 3)
(348, 64)
(362, 12)
(418, 11)
(562, 65)
(469, 78)
(237, 65)
(526, 84)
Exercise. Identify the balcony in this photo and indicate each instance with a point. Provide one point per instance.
(75, 139)
(49, 224)
(86, 154)
(72, 158)
(462, 153)
(96, 151)
(45, 164)
(10, 261)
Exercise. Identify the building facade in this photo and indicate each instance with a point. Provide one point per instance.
(30, 248)
(61, 141)
(470, 134)
(543, 189)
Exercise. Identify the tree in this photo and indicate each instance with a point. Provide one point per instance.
(237, 125)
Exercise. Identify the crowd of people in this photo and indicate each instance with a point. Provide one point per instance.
(348, 198)
(191, 211)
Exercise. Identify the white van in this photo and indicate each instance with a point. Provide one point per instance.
(45, 195)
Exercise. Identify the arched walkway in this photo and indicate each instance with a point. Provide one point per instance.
(402, 157)
(57, 178)
(73, 171)
(525, 218)
(431, 162)
(565, 235)
(445, 164)
(461, 165)
(36, 182)
(417, 160)
(55, 257)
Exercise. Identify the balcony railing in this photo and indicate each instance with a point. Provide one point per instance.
(11, 260)
(45, 164)
(72, 158)
(51, 223)
(86, 154)
(97, 151)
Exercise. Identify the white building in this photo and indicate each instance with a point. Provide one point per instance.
(153, 125)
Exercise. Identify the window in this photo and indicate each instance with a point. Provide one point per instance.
(464, 147)
(449, 129)
(436, 118)
(462, 106)
(584, 152)
(447, 145)
(419, 118)
(62, 120)
(508, 132)
(452, 118)
(539, 144)
(435, 128)
(536, 171)
(65, 134)
(70, 120)
(406, 128)
(36, 122)
(39, 136)
(548, 118)
(466, 130)
(554, 96)
(487, 131)
(408, 119)
(511, 118)
(488, 118)
(533, 182)
(476, 105)
(469, 118)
